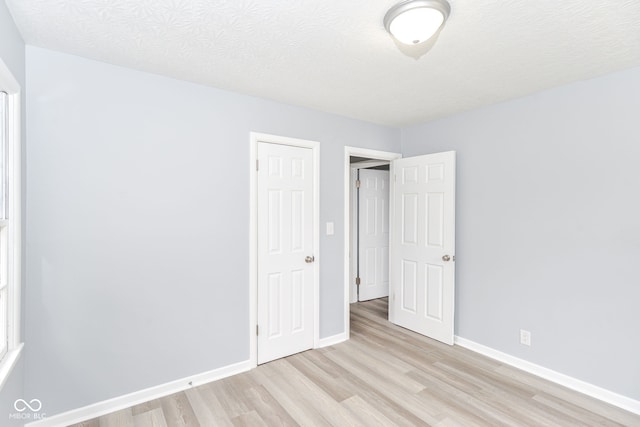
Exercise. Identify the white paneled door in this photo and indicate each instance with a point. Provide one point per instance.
(373, 232)
(285, 251)
(423, 245)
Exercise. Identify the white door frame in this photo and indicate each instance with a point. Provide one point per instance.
(353, 238)
(358, 152)
(255, 138)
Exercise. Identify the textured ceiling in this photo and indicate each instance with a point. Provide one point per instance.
(335, 56)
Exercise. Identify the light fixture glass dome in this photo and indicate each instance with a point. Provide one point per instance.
(415, 21)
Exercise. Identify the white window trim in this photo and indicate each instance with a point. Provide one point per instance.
(9, 84)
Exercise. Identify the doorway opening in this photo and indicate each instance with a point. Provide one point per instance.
(366, 219)
(369, 229)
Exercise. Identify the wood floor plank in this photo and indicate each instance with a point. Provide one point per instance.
(90, 423)
(606, 410)
(145, 407)
(368, 367)
(484, 379)
(367, 414)
(401, 392)
(327, 383)
(430, 376)
(312, 393)
(248, 419)
(454, 408)
(230, 397)
(389, 358)
(123, 418)
(300, 410)
(573, 411)
(207, 407)
(178, 411)
(268, 407)
(152, 418)
(376, 397)
(384, 375)
(501, 405)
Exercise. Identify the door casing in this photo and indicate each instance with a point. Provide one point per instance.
(256, 138)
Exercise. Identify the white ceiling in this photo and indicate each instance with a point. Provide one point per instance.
(335, 56)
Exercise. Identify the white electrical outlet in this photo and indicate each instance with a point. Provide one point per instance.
(525, 337)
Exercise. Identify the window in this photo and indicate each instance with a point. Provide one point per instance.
(10, 344)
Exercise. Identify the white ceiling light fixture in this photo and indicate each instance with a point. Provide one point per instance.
(415, 21)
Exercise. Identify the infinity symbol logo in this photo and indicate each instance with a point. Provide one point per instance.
(21, 405)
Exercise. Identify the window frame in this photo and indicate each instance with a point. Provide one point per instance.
(13, 220)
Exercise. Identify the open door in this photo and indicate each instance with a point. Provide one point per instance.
(422, 244)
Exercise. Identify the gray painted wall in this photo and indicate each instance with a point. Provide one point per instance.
(548, 229)
(138, 241)
(12, 52)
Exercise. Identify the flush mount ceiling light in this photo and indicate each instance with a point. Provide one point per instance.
(414, 21)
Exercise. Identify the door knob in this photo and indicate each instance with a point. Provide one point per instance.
(446, 258)
(309, 259)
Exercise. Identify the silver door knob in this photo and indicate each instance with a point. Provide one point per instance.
(309, 259)
(446, 258)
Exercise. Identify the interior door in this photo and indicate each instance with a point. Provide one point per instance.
(423, 245)
(285, 245)
(373, 229)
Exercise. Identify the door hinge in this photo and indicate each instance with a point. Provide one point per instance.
(358, 281)
(357, 183)
(257, 164)
(256, 330)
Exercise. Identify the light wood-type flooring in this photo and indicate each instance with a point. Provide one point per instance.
(383, 376)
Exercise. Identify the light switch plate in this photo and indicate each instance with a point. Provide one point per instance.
(330, 229)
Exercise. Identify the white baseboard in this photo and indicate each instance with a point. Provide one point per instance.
(332, 340)
(138, 397)
(583, 387)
